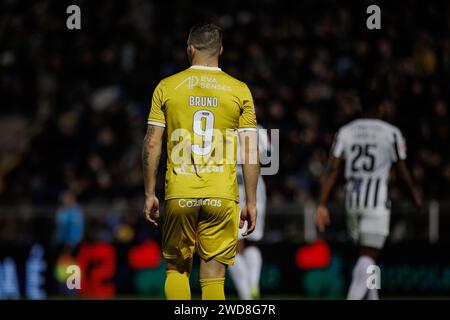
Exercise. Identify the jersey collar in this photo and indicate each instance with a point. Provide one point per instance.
(205, 68)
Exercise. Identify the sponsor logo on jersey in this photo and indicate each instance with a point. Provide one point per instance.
(183, 203)
(190, 82)
(203, 82)
(189, 170)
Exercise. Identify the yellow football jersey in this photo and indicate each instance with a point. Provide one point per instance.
(202, 108)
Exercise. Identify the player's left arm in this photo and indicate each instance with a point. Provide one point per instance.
(151, 154)
(404, 173)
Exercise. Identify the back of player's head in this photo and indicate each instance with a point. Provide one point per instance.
(206, 37)
(372, 101)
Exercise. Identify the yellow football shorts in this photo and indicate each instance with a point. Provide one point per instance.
(206, 226)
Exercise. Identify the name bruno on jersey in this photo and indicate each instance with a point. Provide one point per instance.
(196, 101)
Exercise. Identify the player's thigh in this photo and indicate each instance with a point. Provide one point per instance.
(179, 228)
(217, 230)
(375, 221)
(369, 227)
(374, 227)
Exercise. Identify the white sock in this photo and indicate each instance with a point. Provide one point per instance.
(253, 259)
(240, 275)
(372, 294)
(358, 287)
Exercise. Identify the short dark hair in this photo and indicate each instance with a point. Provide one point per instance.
(206, 37)
(371, 100)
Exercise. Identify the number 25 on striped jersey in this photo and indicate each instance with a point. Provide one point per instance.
(365, 153)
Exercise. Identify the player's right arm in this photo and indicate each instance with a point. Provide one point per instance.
(328, 182)
(322, 214)
(399, 156)
(151, 153)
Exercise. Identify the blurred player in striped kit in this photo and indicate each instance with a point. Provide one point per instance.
(369, 146)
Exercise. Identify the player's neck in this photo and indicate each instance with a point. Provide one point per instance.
(213, 63)
(371, 115)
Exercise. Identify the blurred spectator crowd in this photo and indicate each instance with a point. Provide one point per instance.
(74, 103)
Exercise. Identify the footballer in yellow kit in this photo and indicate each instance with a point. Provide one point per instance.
(197, 107)
(202, 110)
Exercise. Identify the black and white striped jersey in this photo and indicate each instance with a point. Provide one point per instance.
(369, 147)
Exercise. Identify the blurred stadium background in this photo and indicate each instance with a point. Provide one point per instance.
(73, 115)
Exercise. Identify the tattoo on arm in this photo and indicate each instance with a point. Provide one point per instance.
(145, 153)
(151, 154)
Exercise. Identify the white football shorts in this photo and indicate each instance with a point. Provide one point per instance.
(369, 226)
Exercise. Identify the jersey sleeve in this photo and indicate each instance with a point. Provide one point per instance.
(398, 146)
(337, 150)
(157, 116)
(247, 119)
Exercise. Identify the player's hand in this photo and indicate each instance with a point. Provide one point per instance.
(417, 199)
(322, 217)
(248, 214)
(151, 210)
